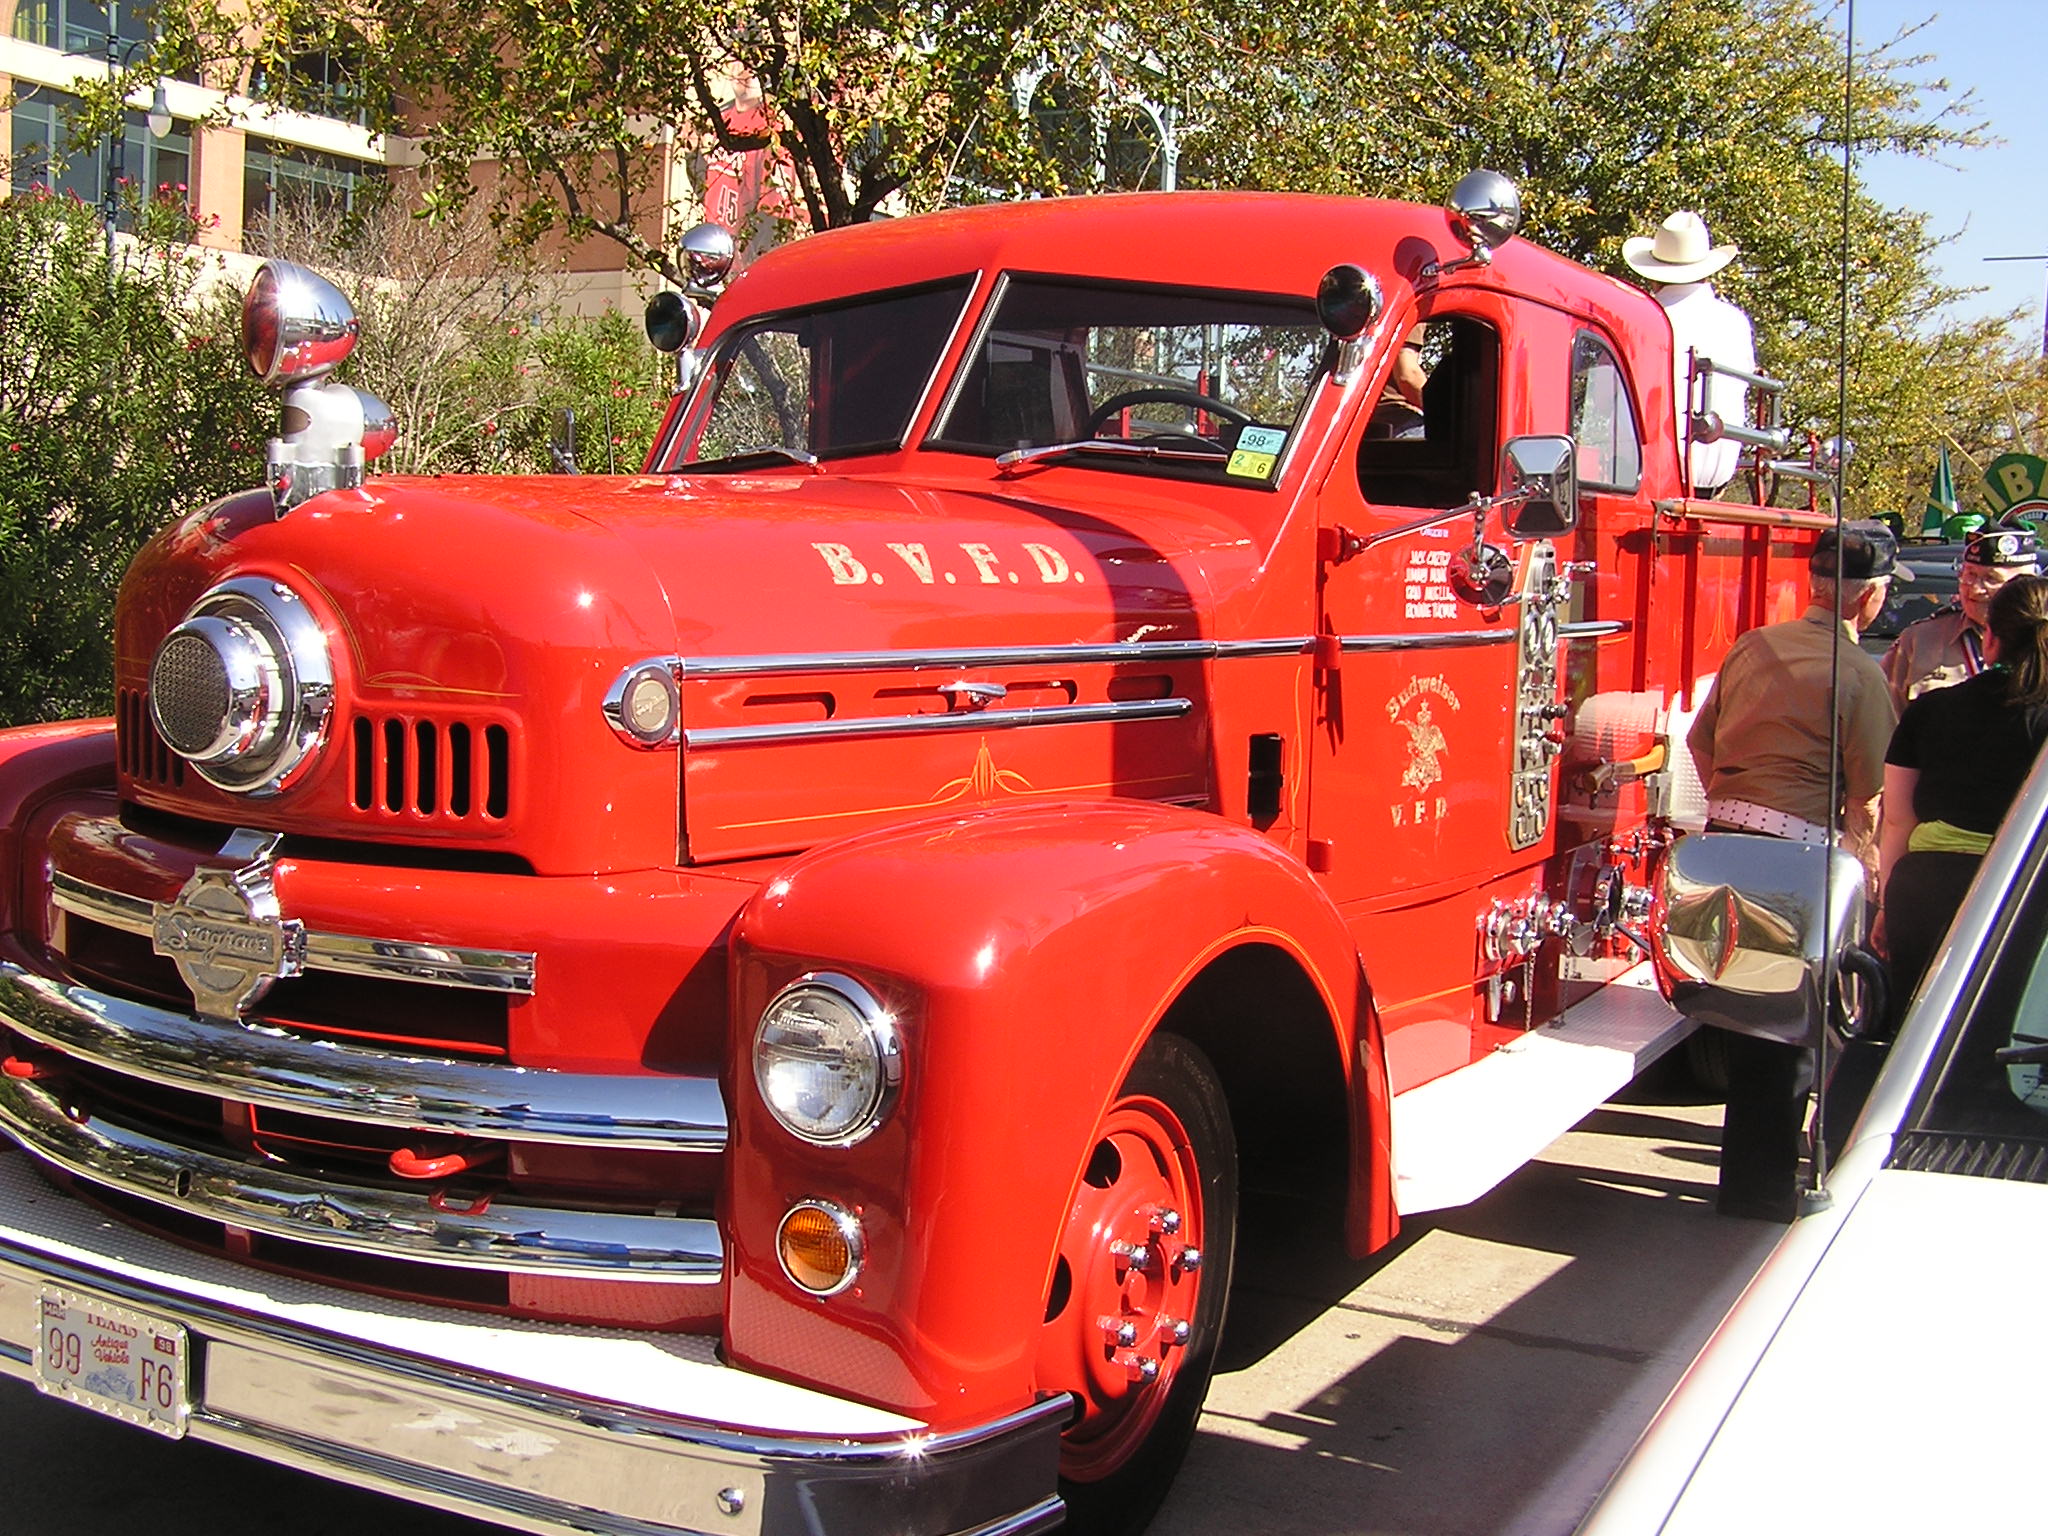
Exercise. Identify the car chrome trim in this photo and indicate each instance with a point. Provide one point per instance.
(1587, 629)
(969, 720)
(342, 1400)
(1428, 640)
(1078, 654)
(268, 1199)
(442, 965)
(252, 1064)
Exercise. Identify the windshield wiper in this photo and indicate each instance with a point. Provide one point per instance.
(754, 458)
(1017, 458)
(2021, 1055)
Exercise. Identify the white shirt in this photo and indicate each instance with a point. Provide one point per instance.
(1705, 323)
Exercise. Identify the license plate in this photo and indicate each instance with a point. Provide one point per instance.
(111, 1358)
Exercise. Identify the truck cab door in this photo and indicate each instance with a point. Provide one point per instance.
(1414, 763)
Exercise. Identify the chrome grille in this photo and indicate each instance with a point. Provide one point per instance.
(189, 686)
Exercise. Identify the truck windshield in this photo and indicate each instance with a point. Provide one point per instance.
(825, 382)
(1214, 382)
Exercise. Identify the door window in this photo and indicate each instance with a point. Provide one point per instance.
(1603, 418)
(1434, 434)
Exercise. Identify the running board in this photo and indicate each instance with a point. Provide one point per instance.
(1458, 1135)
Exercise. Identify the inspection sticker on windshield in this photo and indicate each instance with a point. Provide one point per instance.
(1257, 451)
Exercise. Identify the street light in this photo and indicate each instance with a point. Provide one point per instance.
(2044, 298)
(120, 56)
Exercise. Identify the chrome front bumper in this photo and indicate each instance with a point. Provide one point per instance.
(540, 1428)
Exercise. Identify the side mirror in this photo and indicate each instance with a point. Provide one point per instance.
(1485, 209)
(1541, 474)
(1746, 929)
(708, 255)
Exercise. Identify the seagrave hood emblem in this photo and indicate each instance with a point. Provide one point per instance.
(225, 934)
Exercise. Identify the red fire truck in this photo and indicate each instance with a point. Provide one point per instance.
(749, 996)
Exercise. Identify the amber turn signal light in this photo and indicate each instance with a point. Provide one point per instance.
(819, 1246)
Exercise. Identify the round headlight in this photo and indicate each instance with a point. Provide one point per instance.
(243, 688)
(827, 1060)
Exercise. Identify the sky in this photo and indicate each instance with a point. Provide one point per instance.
(1991, 199)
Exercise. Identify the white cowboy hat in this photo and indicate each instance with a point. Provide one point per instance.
(1680, 252)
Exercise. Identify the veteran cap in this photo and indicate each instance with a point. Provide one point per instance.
(2002, 544)
(1868, 552)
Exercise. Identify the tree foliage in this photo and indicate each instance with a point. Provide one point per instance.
(1612, 113)
(1609, 113)
(123, 401)
(552, 113)
(467, 344)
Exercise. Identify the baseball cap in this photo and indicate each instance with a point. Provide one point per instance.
(1868, 552)
(2002, 544)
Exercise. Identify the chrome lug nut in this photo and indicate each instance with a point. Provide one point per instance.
(1180, 1331)
(1127, 1334)
(1190, 1260)
(1148, 1369)
(1167, 1222)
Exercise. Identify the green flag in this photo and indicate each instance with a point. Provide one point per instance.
(1941, 499)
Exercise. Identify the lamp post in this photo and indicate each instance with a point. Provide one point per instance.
(120, 56)
(2044, 299)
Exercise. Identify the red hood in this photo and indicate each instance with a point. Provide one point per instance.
(521, 600)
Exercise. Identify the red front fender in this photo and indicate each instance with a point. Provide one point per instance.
(37, 761)
(1028, 954)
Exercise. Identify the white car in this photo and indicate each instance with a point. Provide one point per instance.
(1877, 1374)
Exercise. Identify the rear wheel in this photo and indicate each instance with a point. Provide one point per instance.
(1706, 1059)
(1139, 1289)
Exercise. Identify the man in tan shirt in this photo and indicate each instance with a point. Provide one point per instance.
(1761, 743)
(1948, 646)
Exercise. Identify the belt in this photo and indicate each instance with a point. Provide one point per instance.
(1761, 818)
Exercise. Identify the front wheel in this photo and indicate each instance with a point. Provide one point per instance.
(1139, 1289)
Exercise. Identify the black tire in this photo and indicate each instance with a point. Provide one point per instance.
(1165, 1142)
(1706, 1060)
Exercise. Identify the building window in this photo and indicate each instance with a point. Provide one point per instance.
(78, 26)
(279, 177)
(44, 154)
(322, 81)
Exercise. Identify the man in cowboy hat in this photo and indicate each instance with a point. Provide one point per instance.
(1948, 646)
(1678, 260)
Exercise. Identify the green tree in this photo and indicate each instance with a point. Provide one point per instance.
(123, 401)
(466, 343)
(1610, 114)
(551, 114)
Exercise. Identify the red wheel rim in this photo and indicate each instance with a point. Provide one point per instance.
(1125, 1298)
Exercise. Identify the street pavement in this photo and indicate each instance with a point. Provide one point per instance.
(1480, 1378)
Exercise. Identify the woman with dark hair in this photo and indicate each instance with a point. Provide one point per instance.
(1956, 762)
